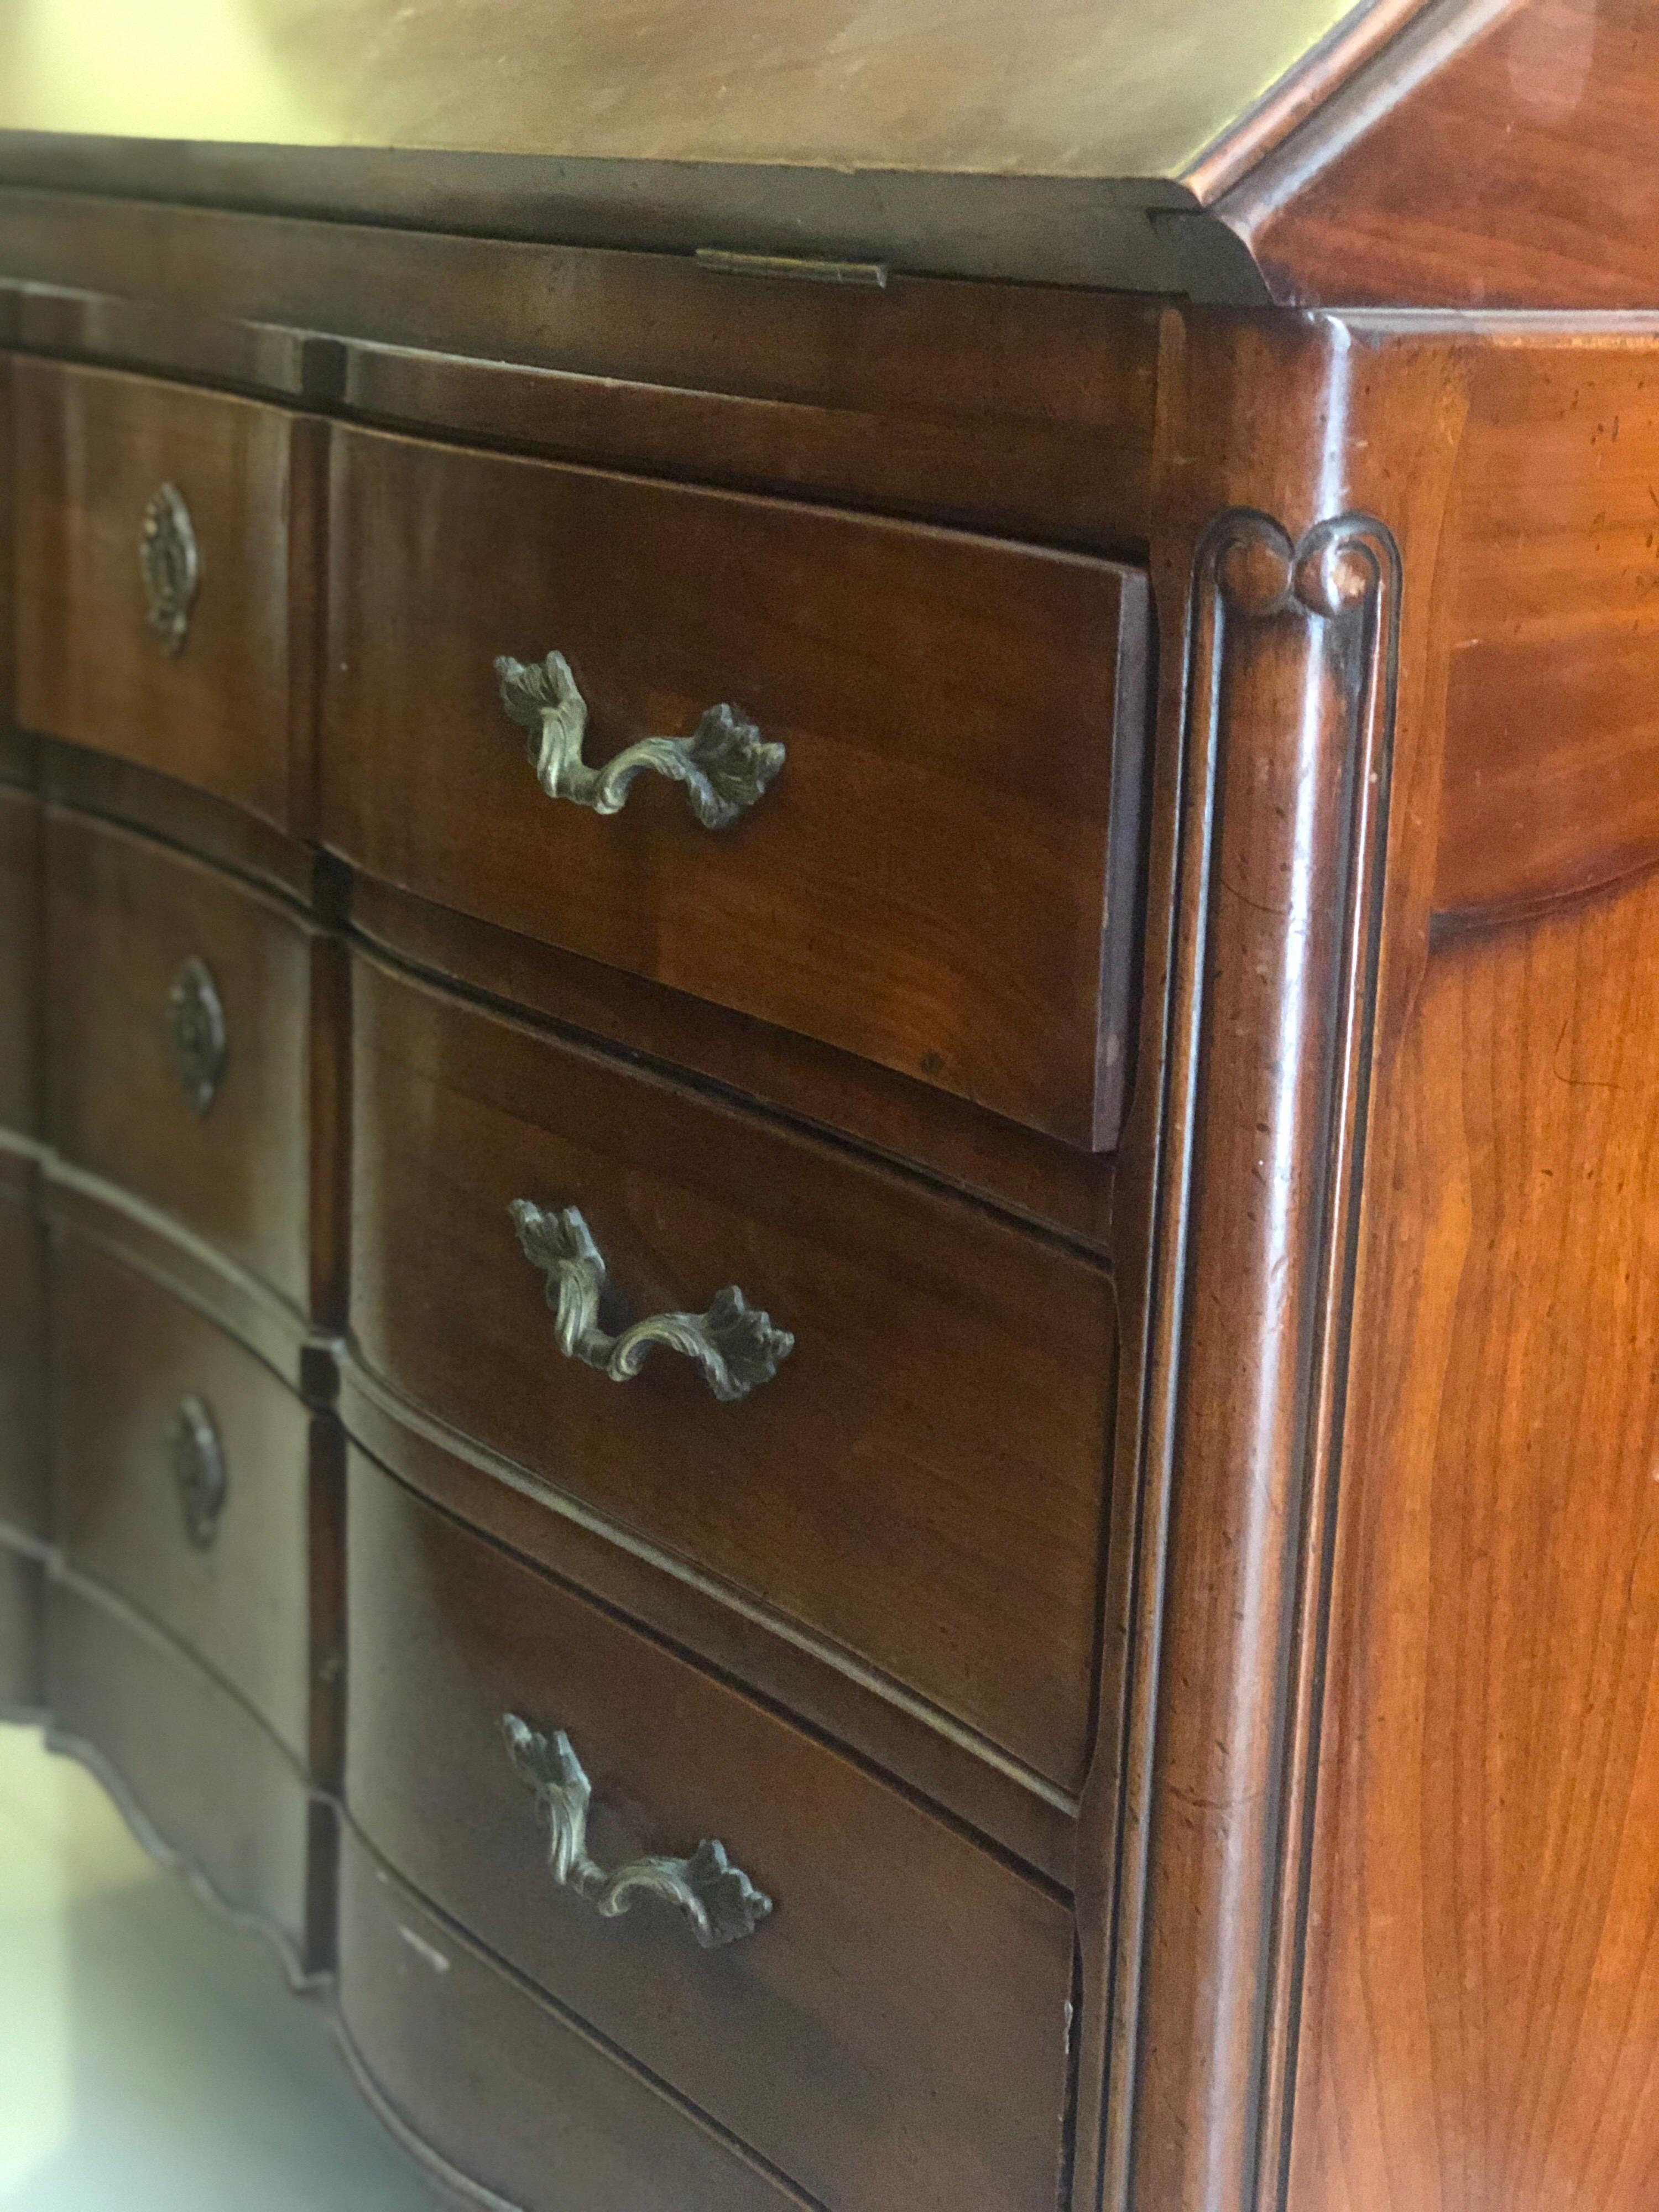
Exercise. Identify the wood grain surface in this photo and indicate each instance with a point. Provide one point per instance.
(1483, 2003)
(933, 1453)
(92, 448)
(125, 915)
(479, 2076)
(125, 1358)
(941, 878)
(893, 2036)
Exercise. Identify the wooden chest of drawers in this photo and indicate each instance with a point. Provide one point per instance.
(825, 1101)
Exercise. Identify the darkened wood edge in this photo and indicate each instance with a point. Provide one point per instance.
(1447, 924)
(1133, 722)
(192, 822)
(303, 1972)
(121, 330)
(165, 1254)
(407, 2133)
(907, 1125)
(949, 1770)
(1131, 235)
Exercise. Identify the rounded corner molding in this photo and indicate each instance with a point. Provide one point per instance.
(195, 1024)
(724, 765)
(170, 563)
(720, 1905)
(735, 1345)
(199, 1473)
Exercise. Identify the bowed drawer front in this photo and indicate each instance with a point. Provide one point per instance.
(873, 782)
(870, 2001)
(918, 1475)
(153, 577)
(179, 1062)
(183, 1467)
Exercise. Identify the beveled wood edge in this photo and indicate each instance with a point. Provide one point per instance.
(572, 2022)
(1319, 73)
(302, 1976)
(846, 1730)
(173, 1259)
(1421, 44)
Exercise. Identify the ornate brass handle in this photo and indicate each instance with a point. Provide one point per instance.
(170, 563)
(724, 764)
(719, 1899)
(734, 1344)
(195, 1018)
(199, 1474)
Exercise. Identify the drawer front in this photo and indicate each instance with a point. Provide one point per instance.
(921, 1481)
(22, 1359)
(937, 878)
(20, 943)
(177, 661)
(180, 1058)
(504, 2091)
(183, 1478)
(892, 2034)
(207, 1783)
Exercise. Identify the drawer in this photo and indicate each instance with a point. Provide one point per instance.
(940, 875)
(186, 668)
(183, 1480)
(19, 949)
(893, 2034)
(22, 1355)
(204, 1783)
(922, 1481)
(179, 1056)
(509, 2094)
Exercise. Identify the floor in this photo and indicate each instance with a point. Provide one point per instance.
(152, 2056)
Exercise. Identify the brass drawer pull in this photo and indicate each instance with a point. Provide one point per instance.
(734, 1344)
(170, 563)
(199, 1473)
(724, 764)
(196, 1019)
(719, 1899)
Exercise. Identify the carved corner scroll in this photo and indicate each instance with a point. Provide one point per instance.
(1280, 835)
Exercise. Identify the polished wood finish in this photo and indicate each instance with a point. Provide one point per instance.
(952, 708)
(127, 1356)
(954, 1771)
(20, 956)
(1040, 398)
(415, 1995)
(1494, 156)
(893, 2037)
(1482, 2000)
(1053, 1184)
(125, 915)
(91, 449)
(933, 1450)
(207, 1784)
